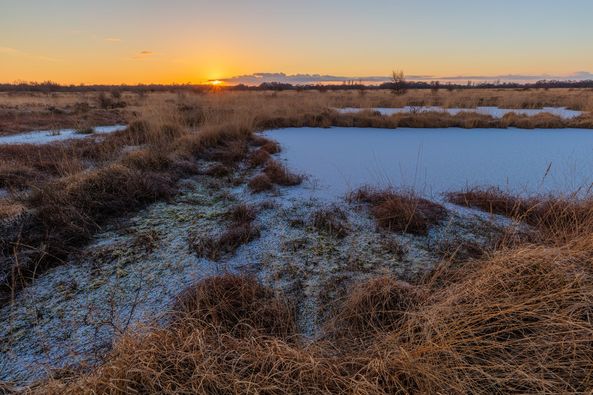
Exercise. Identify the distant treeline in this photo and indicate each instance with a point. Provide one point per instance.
(48, 87)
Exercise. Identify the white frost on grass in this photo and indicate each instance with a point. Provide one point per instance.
(131, 273)
(433, 161)
(495, 112)
(50, 136)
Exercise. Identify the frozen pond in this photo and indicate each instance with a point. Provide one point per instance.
(49, 136)
(495, 112)
(433, 161)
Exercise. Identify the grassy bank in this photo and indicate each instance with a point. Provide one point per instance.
(515, 317)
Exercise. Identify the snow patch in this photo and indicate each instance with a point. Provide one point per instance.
(495, 112)
(50, 136)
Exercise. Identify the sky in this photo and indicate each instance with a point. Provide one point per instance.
(194, 41)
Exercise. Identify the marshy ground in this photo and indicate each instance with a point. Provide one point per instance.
(185, 255)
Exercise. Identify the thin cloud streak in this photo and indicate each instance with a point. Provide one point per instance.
(16, 52)
(303, 79)
(144, 54)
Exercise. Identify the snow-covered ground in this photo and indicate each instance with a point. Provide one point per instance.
(132, 272)
(495, 112)
(49, 136)
(433, 161)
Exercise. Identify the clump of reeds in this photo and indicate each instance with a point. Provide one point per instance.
(556, 214)
(274, 173)
(237, 305)
(378, 305)
(218, 170)
(332, 221)
(280, 175)
(400, 211)
(240, 230)
(259, 157)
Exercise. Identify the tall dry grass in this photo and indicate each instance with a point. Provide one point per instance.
(518, 321)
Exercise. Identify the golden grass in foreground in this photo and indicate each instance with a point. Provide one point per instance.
(520, 321)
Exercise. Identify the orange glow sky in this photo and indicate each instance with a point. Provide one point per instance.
(178, 41)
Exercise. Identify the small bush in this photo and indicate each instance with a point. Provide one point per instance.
(259, 157)
(377, 305)
(108, 103)
(236, 305)
(218, 170)
(280, 175)
(331, 220)
(260, 183)
(240, 231)
(401, 211)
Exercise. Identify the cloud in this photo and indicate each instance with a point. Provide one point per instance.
(8, 50)
(576, 76)
(258, 78)
(15, 52)
(113, 39)
(144, 54)
(304, 79)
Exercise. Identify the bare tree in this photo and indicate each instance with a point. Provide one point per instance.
(399, 84)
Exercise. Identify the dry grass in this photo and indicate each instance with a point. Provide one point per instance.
(280, 175)
(259, 157)
(400, 211)
(558, 218)
(332, 221)
(240, 230)
(260, 183)
(518, 319)
(237, 305)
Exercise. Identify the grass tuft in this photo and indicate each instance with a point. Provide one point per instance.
(331, 220)
(400, 211)
(280, 175)
(260, 183)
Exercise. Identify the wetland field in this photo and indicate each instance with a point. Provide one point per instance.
(341, 241)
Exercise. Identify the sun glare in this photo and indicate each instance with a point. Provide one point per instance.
(216, 82)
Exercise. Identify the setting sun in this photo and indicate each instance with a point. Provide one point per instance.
(216, 82)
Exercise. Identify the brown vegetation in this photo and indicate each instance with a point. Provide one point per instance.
(400, 211)
(332, 221)
(560, 217)
(260, 183)
(259, 157)
(240, 230)
(519, 321)
(280, 175)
